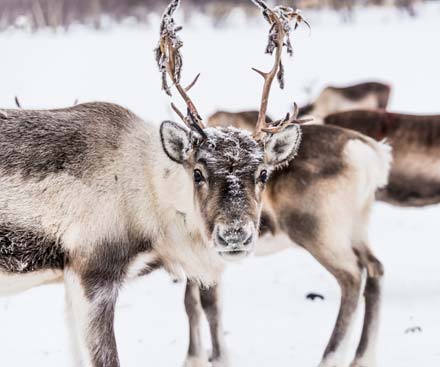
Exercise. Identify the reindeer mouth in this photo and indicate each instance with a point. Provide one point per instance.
(234, 255)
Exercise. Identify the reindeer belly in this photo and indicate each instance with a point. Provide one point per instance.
(28, 258)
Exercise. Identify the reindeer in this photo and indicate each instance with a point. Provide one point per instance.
(93, 196)
(370, 95)
(414, 178)
(320, 201)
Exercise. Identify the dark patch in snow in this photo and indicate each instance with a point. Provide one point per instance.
(313, 296)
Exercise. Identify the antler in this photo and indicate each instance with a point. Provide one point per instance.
(279, 125)
(279, 36)
(169, 60)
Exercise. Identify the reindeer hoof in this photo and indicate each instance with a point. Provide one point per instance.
(196, 361)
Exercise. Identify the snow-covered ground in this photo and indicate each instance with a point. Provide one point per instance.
(267, 318)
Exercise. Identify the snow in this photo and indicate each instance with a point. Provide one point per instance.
(267, 318)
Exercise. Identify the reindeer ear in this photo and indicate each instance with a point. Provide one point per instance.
(176, 141)
(283, 146)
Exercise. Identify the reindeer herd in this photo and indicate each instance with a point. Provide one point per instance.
(93, 196)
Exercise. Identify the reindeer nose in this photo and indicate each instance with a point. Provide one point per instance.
(234, 237)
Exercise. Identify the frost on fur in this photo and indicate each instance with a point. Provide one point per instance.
(168, 30)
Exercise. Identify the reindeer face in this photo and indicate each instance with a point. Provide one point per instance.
(229, 170)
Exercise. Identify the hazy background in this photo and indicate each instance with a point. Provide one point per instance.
(37, 14)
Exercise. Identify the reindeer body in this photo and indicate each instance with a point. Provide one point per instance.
(415, 173)
(369, 95)
(321, 201)
(87, 194)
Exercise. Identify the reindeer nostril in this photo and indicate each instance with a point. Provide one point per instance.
(248, 240)
(221, 240)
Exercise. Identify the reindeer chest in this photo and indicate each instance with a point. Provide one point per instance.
(185, 253)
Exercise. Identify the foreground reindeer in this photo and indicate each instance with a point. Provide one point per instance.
(94, 196)
(415, 173)
(322, 202)
(371, 95)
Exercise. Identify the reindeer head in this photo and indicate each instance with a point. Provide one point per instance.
(229, 167)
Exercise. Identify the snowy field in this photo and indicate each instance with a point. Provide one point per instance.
(268, 320)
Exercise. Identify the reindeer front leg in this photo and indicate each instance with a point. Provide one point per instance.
(211, 304)
(208, 299)
(92, 303)
(196, 356)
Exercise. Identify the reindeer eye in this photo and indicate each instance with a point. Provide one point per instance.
(198, 176)
(263, 176)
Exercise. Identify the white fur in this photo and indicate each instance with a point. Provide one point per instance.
(15, 283)
(140, 263)
(372, 163)
(80, 309)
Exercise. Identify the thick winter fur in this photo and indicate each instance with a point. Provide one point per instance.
(321, 201)
(369, 95)
(415, 174)
(95, 196)
(73, 181)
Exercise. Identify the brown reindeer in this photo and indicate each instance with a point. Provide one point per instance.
(415, 139)
(369, 95)
(320, 201)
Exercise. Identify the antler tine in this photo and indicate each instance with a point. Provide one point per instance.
(279, 36)
(169, 60)
(270, 76)
(288, 120)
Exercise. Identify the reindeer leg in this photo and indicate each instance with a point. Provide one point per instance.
(93, 313)
(75, 352)
(335, 352)
(341, 261)
(196, 356)
(366, 351)
(211, 303)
